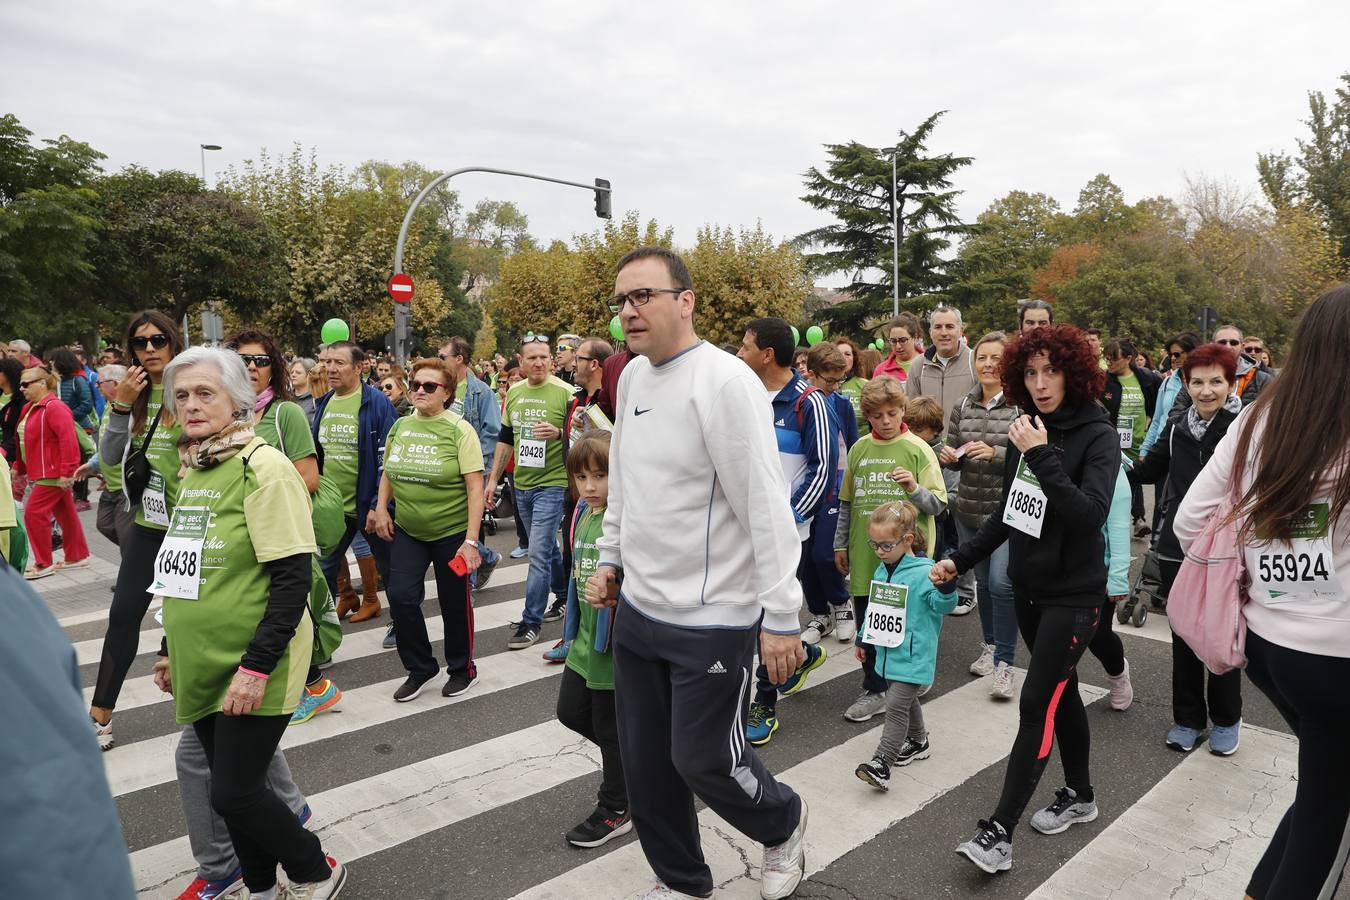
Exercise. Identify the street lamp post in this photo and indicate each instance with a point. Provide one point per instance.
(403, 311)
(206, 147)
(895, 235)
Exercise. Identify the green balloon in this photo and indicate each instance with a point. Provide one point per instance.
(616, 329)
(796, 337)
(335, 330)
(880, 344)
(814, 335)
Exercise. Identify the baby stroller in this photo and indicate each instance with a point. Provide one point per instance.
(1145, 593)
(503, 496)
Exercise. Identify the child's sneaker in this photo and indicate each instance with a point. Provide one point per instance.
(602, 826)
(557, 653)
(866, 706)
(1065, 811)
(990, 849)
(911, 751)
(817, 628)
(761, 724)
(875, 772)
(844, 627)
(202, 889)
(1122, 692)
(815, 658)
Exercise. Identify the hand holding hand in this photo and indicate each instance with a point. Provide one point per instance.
(245, 694)
(942, 572)
(602, 588)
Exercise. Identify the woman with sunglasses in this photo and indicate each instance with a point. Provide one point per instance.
(49, 454)
(138, 422)
(1171, 386)
(393, 387)
(433, 473)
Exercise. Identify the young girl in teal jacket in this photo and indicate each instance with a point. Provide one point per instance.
(1106, 644)
(903, 621)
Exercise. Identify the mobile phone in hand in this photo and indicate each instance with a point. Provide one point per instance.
(459, 566)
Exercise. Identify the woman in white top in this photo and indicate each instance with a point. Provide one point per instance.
(1287, 456)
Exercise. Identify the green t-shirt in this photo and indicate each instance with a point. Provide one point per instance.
(23, 451)
(9, 518)
(285, 426)
(1133, 414)
(868, 484)
(461, 390)
(251, 518)
(340, 435)
(426, 460)
(527, 406)
(111, 468)
(4, 400)
(162, 454)
(852, 389)
(582, 658)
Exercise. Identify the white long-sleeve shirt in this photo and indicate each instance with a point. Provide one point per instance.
(698, 516)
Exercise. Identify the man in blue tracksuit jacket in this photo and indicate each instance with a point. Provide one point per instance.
(374, 419)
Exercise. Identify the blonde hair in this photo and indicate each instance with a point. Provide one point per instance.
(881, 392)
(903, 516)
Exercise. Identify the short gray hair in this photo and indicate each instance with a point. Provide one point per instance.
(22, 345)
(112, 372)
(944, 308)
(233, 377)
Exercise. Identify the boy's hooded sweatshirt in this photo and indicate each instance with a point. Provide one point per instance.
(914, 661)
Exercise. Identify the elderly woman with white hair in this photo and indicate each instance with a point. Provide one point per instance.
(234, 574)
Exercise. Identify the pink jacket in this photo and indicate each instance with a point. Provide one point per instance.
(50, 447)
(892, 367)
(1312, 624)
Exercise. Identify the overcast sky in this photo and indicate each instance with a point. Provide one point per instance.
(698, 112)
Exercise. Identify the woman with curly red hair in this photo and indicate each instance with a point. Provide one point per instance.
(1057, 488)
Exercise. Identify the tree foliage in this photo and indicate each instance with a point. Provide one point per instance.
(856, 190)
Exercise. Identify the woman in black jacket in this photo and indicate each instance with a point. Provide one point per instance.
(1185, 445)
(11, 373)
(1057, 489)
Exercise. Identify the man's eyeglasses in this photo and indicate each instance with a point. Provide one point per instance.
(103, 381)
(882, 548)
(261, 360)
(825, 379)
(639, 297)
(531, 338)
(581, 358)
(158, 341)
(898, 342)
(429, 387)
(1230, 343)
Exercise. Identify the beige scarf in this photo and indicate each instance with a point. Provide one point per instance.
(214, 450)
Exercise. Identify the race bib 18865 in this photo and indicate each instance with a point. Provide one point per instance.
(885, 622)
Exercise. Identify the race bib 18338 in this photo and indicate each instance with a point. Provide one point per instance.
(153, 501)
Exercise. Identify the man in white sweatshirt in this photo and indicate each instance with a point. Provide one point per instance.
(700, 554)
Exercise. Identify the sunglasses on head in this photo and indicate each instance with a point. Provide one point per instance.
(261, 360)
(531, 338)
(158, 341)
(429, 387)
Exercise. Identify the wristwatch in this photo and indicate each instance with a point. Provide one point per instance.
(474, 544)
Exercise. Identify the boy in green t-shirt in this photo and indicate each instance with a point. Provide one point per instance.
(888, 465)
(586, 696)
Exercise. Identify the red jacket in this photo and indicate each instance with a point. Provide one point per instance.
(50, 447)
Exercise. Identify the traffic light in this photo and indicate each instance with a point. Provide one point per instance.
(602, 196)
(1208, 320)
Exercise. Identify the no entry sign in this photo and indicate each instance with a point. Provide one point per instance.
(401, 288)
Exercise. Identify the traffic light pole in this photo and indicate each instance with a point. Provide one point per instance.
(403, 311)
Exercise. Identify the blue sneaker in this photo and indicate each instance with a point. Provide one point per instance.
(761, 724)
(305, 815)
(483, 574)
(1184, 738)
(201, 889)
(557, 653)
(313, 704)
(815, 657)
(520, 553)
(1223, 740)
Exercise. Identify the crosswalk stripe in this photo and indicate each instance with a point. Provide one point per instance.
(1226, 806)
(142, 764)
(90, 651)
(137, 692)
(969, 734)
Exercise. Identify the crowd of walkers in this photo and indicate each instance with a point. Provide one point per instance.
(685, 510)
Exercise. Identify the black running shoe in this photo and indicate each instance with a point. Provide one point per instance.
(556, 611)
(603, 826)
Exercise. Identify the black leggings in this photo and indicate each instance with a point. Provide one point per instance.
(1105, 644)
(1307, 854)
(1050, 708)
(130, 601)
(1198, 695)
(262, 827)
(590, 713)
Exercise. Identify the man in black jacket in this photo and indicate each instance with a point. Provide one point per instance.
(1130, 398)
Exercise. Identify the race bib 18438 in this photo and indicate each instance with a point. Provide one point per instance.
(1025, 509)
(885, 622)
(178, 564)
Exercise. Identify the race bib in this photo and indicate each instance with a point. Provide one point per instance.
(1025, 509)
(532, 454)
(153, 502)
(1125, 428)
(885, 622)
(178, 565)
(1304, 568)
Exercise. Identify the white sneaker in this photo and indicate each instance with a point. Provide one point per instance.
(1122, 692)
(817, 628)
(103, 733)
(844, 627)
(784, 865)
(963, 606)
(1002, 688)
(985, 664)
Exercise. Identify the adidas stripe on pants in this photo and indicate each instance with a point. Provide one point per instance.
(681, 696)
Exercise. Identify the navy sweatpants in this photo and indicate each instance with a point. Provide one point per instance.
(822, 585)
(681, 696)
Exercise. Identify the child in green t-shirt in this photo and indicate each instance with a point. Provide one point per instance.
(586, 696)
(888, 465)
